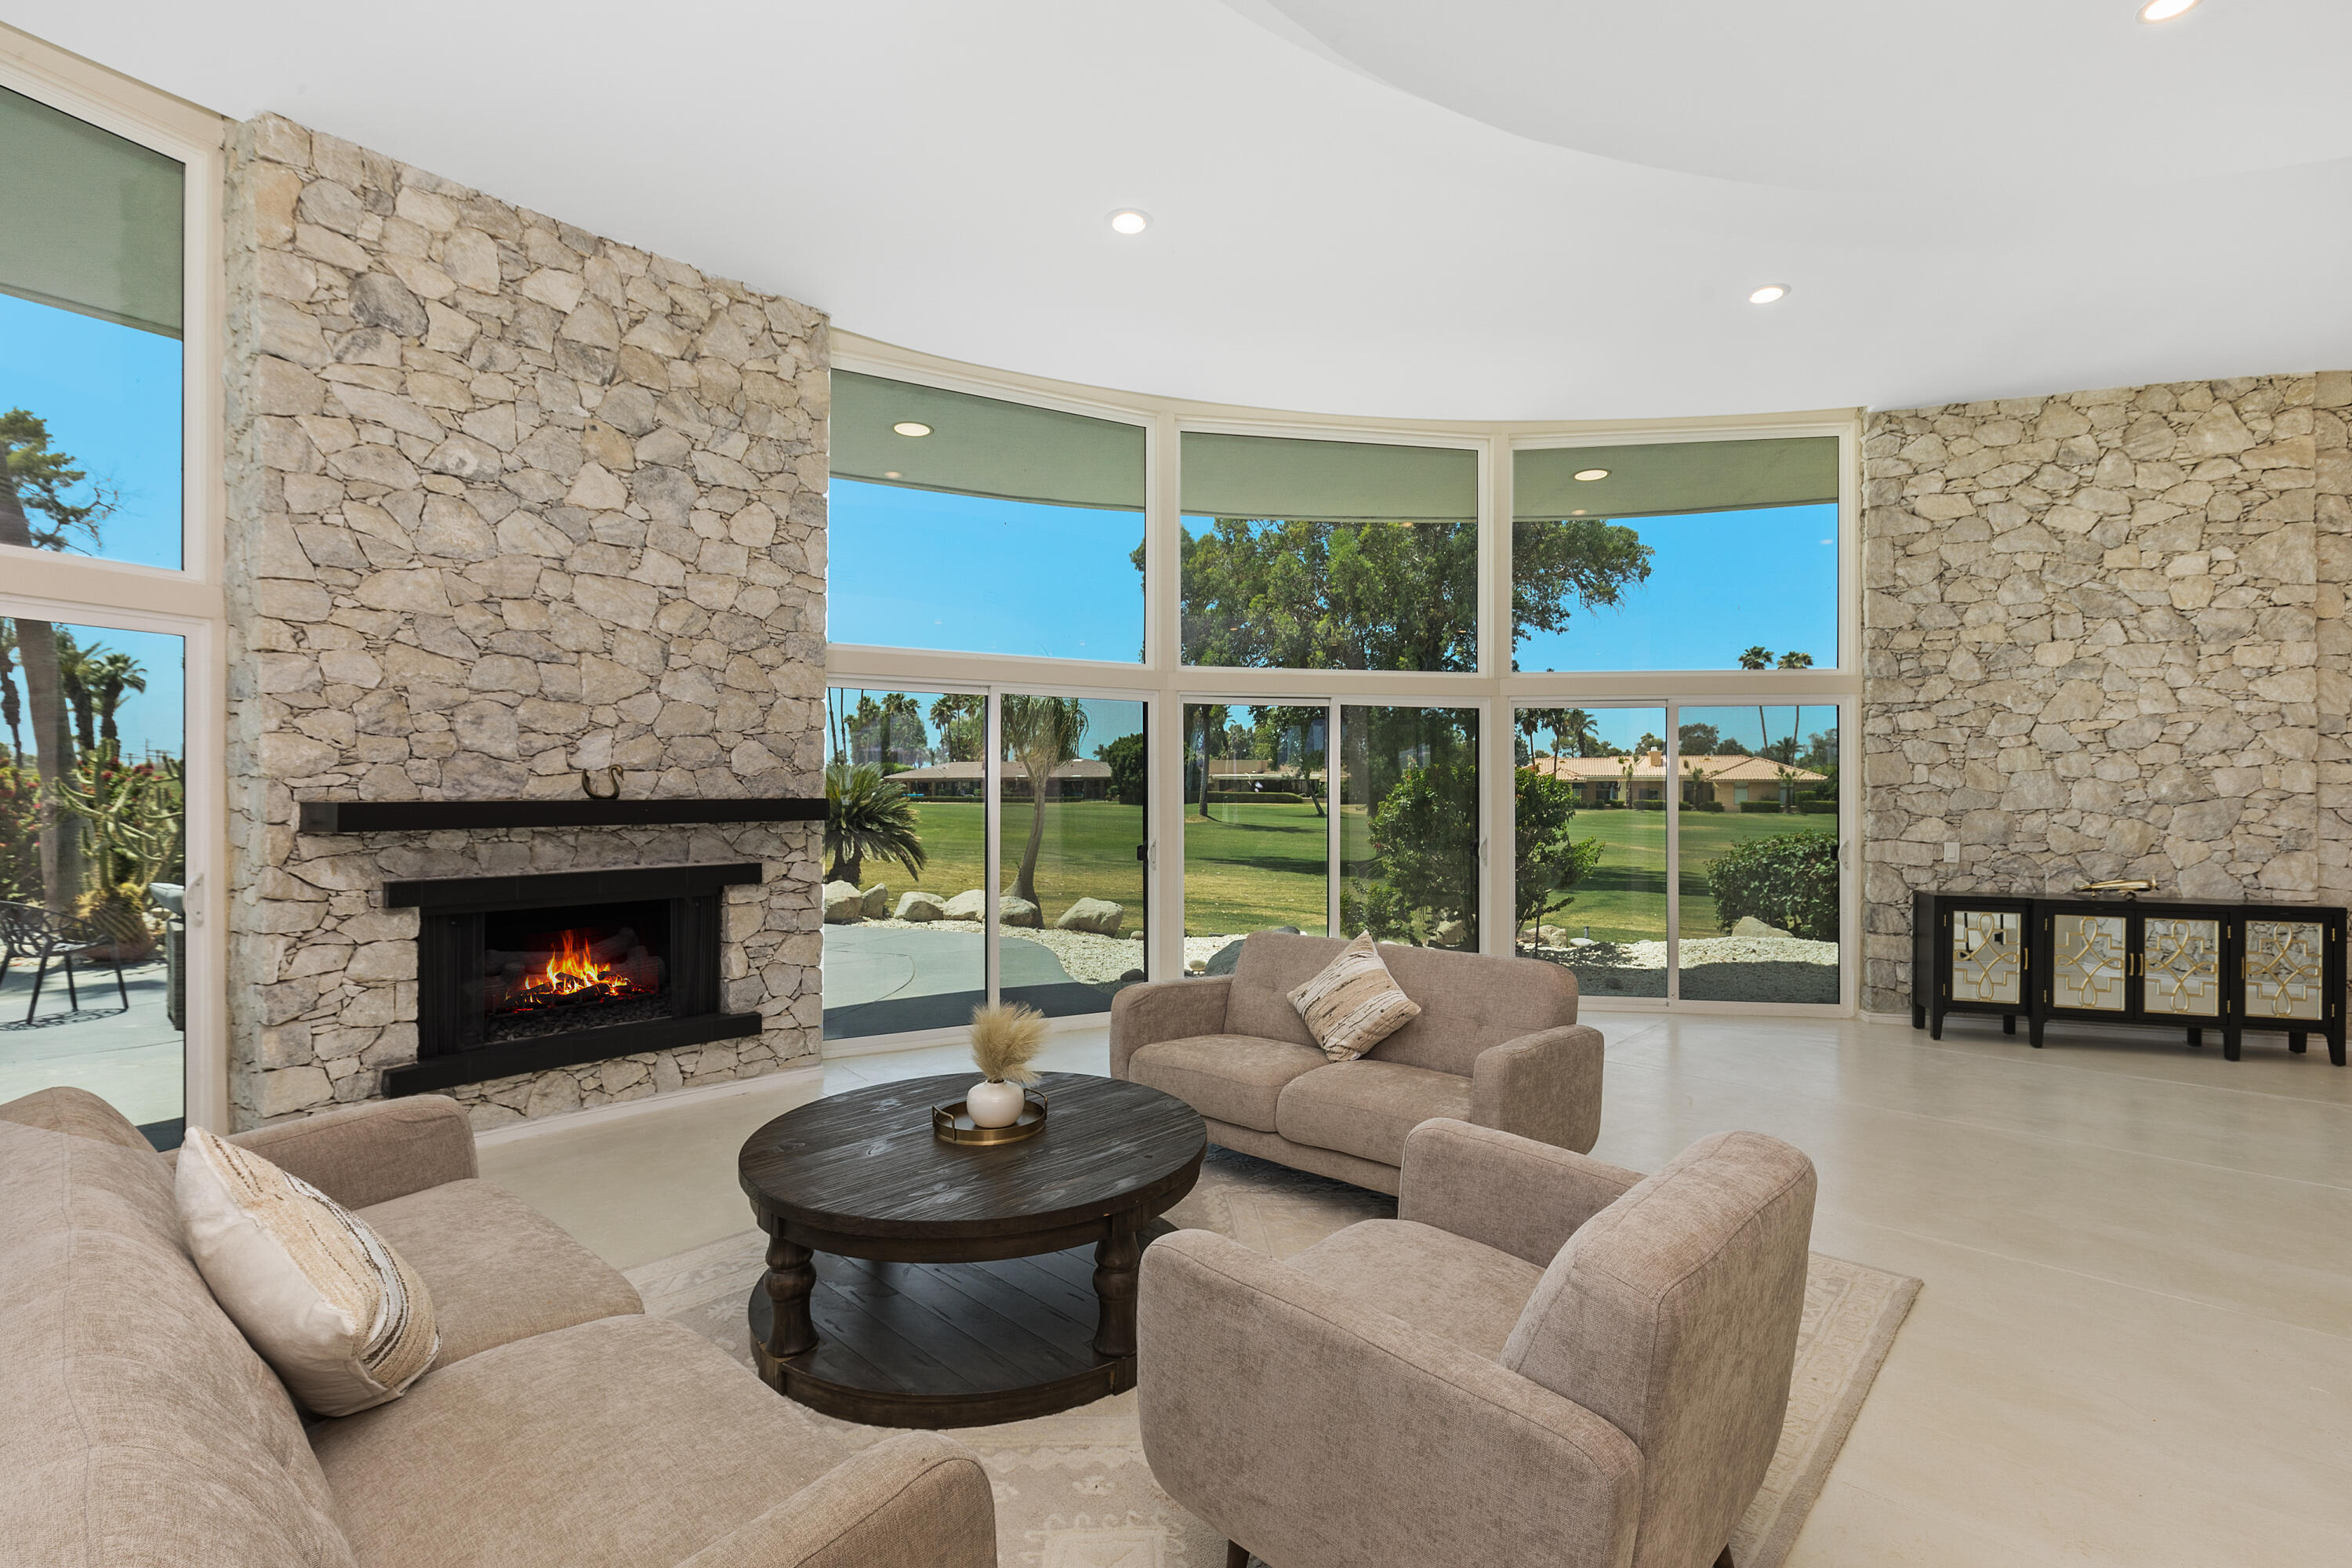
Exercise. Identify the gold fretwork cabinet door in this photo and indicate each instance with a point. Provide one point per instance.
(2086, 958)
(1970, 954)
(2288, 974)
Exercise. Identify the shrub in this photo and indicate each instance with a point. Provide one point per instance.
(1256, 797)
(1818, 807)
(1788, 880)
(1760, 806)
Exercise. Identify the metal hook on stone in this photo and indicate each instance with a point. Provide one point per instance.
(588, 784)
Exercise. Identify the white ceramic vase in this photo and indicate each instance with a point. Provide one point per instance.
(992, 1103)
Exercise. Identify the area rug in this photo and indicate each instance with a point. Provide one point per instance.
(1072, 1489)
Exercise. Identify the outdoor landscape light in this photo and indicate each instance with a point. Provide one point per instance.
(1126, 220)
(2165, 10)
(1589, 474)
(1769, 292)
(912, 428)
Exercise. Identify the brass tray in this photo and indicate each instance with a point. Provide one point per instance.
(951, 1124)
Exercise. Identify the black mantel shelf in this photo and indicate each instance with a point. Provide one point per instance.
(428, 816)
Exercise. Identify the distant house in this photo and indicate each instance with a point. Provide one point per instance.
(1733, 781)
(1082, 778)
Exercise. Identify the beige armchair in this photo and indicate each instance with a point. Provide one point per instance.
(1497, 1044)
(1543, 1360)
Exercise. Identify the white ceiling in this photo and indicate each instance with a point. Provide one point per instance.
(1488, 209)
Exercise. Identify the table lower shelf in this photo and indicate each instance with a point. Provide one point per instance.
(948, 1344)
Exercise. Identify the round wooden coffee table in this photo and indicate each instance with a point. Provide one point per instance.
(917, 1283)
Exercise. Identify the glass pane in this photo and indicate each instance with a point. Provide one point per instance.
(905, 838)
(92, 816)
(1257, 834)
(1071, 829)
(981, 526)
(2285, 973)
(1988, 956)
(1409, 825)
(1592, 857)
(2181, 967)
(1758, 853)
(1329, 554)
(2087, 963)
(1676, 555)
(90, 339)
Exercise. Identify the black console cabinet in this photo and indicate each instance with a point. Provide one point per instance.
(2230, 967)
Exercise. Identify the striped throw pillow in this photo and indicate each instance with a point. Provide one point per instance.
(341, 1319)
(1355, 1003)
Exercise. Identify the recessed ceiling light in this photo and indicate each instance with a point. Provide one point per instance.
(2165, 10)
(892, 474)
(1590, 474)
(912, 428)
(1126, 220)
(1769, 293)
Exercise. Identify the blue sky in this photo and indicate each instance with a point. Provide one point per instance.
(924, 569)
(111, 397)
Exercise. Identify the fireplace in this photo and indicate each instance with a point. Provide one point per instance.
(519, 974)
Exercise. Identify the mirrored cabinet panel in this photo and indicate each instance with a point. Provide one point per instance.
(2089, 963)
(2181, 972)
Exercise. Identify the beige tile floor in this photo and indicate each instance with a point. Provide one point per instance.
(2135, 1345)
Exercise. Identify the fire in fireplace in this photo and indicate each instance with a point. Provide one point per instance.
(522, 974)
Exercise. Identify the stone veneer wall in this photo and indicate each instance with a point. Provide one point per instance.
(2104, 638)
(506, 500)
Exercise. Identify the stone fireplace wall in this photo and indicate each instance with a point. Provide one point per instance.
(506, 500)
(2104, 638)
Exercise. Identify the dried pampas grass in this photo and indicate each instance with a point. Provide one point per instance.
(1005, 1039)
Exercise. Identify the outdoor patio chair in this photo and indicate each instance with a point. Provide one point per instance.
(28, 932)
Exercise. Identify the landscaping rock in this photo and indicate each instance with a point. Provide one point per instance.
(1449, 933)
(1748, 925)
(1551, 936)
(1098, 915)
(922, 907)
(971, 904)
(876, 901)
(844, 904)
(1013, 911)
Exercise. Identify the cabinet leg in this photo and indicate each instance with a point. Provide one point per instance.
(2336, 1047)
(2009, 1023)
(2230, 1041)
(2034, 1033)
(1918, 1017)
(2196, 1037)
(1935, 1024)
(2297, 1041)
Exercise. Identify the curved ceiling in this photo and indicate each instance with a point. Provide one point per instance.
(1993, 95)
(1356, 214)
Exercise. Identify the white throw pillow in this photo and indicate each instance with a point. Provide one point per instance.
(341, 1319)
(1354, 1003)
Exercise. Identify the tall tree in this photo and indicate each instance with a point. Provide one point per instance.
(960, 718)
(109, 678)
(1578, 728)
(1041, 733)
(38, 510)
(12, 705)
(1382, 594)
(1759, 658)
(76, 665)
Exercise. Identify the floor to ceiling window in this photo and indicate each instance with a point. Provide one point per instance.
(110, 619)
(1221, 675)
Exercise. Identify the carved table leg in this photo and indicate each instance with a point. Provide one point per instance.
(1117, 1258)
(790, 1279)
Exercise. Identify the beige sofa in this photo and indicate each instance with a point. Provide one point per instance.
(560, 1424)
(1543, 1361)
(1497, 1044)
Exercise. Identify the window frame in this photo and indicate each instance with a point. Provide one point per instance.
(189, 602)
(1162, 680)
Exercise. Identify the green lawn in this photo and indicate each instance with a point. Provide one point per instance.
(1250, 867)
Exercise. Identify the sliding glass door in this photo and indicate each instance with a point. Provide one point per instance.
(935, 798)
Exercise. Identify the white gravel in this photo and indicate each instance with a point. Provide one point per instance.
(1085, 956)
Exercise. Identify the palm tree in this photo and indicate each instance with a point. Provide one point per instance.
(865, 814)
(951, 716)
(896, 705)
(1794, 661)
(1578, 728)
(35, 482)
(76, 665)
(107, 678)
(1041, 733)
(1758, 657)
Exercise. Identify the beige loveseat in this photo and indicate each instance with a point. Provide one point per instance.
(1543, 1361)
(1497, 1044)
(560, 1424)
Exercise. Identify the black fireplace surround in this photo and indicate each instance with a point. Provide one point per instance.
(520, 975)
